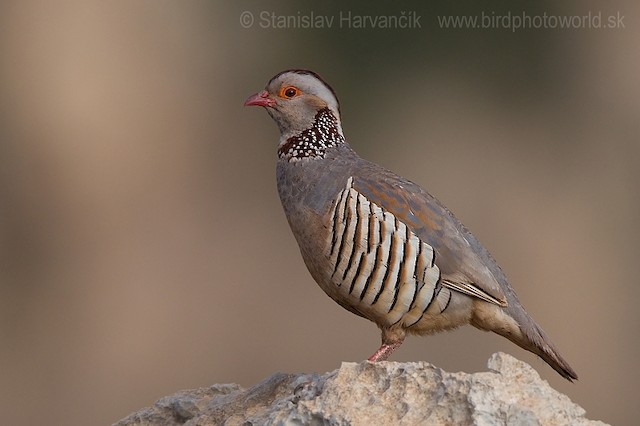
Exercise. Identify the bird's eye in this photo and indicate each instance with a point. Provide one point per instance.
(289, 92)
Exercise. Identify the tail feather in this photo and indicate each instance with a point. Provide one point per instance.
(541, 345)
(516, 325)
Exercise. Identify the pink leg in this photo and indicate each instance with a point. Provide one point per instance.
(384, 351)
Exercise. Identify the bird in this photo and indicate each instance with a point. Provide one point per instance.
(379, 245)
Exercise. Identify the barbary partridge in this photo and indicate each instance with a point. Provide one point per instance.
(378, 244)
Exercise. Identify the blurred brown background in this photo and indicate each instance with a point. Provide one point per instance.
(143, 249)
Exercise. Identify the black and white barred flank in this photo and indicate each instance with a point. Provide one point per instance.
(380, 264)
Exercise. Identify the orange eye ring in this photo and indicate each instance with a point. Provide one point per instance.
(289, 92)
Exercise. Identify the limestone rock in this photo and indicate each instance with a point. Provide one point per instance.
(385, 393)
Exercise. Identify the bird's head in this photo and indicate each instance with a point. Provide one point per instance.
(293, 98)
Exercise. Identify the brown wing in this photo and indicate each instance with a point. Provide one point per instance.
(465, 264)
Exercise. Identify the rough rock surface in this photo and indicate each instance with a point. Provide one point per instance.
(385, 393)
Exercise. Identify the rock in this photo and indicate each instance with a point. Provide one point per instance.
(385, 393)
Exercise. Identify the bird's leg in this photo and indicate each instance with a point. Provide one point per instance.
(386, 349)
(392, 338)
(384, 352)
